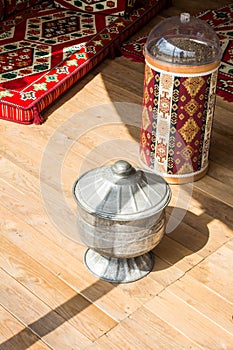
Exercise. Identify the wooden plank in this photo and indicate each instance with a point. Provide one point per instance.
(164, 272)
(73, 307)
(176, 254)
(221, 173)
(14, 335)
(220, 102)
(182, 199)
(190, 322)
(215, 189)
(24, 157)
(119, 339)
(30, 155)
(16, 178)
(222, 158)
(35, 213)
(194, 203)
(99, 93)
(221, 138)
(38, 317)
(222, 118)
(204, 300)
(214, 207)
(143, 289)
(214, 272)
(204, 238)
(116, 91)
(161, 333)
(144, 330)
(137, 67)
(79, 150)
(129, 130)
(132, 82)
(69, 269)
(101, 151)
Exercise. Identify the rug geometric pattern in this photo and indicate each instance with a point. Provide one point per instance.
(45, 51)
(21, 59)
(116, 7)
(44, 42)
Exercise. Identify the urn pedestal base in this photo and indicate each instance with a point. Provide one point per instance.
(118, 270)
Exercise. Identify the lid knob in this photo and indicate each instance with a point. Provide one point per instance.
(185, 17)
(122, 168)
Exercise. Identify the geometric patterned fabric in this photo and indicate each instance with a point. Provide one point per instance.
(43, 41)
(116, 7)
(176, 121)
(45, 49)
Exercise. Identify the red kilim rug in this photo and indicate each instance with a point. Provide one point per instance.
(222, 22)
(46, 49)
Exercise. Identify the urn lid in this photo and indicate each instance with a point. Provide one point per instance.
(183, 40)
(121, 192)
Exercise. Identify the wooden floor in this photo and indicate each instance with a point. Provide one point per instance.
(48, 299)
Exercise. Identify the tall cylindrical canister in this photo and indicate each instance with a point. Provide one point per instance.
(182, 55)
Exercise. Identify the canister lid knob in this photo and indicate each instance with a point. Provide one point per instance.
(122, 168)
(185, 17)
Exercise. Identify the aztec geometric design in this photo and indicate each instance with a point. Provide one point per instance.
(62, 27)
(21, 58)
(8, 34)
(189, 130)
(116, 7)
(44, 42)
(222, 22)
(44, 50)
(177, 118)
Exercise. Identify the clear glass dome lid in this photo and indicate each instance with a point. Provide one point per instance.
(183, 40)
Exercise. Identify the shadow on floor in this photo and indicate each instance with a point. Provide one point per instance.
(189, 239)
(184, 240)
(56, 317)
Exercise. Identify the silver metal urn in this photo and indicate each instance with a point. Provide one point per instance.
(121, 218)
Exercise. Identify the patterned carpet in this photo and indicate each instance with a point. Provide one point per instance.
(222, 22)
(45, 49)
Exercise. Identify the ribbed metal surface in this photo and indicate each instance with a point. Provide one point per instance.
(121, 218)
(121, 192)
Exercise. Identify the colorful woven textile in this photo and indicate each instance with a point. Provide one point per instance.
(222, 22)
(44, 50)
(177, 116)
(116, 7)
